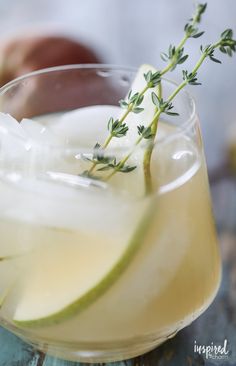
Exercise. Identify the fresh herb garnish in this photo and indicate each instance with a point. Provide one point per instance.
(133, 104)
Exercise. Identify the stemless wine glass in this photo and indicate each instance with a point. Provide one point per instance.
(93, 269)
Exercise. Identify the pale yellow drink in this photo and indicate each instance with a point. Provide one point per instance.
(59, 237)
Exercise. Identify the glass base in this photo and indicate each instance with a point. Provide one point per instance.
(115, 352)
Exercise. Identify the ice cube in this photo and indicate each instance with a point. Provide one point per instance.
(14, 141)
(85, 126)
(39, 133)
(57, 204)
(9, 125)
(23, 144)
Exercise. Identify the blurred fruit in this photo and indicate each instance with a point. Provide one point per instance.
(24, 54)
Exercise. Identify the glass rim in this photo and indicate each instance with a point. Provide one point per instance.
(183, 127)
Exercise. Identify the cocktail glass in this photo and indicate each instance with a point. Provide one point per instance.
(95, 270)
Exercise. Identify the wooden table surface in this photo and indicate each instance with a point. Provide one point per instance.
(215, 325)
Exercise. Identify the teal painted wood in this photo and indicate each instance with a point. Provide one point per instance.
(50, 361)
(14, 352)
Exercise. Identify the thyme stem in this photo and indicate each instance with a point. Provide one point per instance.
(121, 120)
(177, 57)
(148, 152)
(117, 128)
(189, 78)
(170, 65)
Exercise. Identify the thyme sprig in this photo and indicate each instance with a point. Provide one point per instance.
(108, 162)
(133, 104)
(165, 106)
(153, 79)
(145, 132)
(190, 28)
(175, 55)
(119, 167)
(227, 42)
(98, 156)
(116, 128)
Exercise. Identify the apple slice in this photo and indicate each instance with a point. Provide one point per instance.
(65, 278)
(67, 275)
(84, 126)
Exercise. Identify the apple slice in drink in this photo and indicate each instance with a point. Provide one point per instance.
(67, 278)
(81, 271)
(88, 125)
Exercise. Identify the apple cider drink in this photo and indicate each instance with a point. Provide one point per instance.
(93, 267)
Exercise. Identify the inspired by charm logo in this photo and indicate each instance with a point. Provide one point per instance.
(213, 351)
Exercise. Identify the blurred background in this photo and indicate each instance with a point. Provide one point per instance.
(134, 32)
